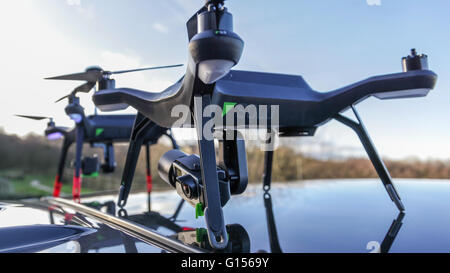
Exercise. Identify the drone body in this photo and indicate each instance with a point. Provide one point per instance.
(102, 131)
(213, 50)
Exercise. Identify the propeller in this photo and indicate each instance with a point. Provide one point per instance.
(63, 98)
(50, 124)
(37, 118)
(94, 74)
(84, 88)
(34, 117)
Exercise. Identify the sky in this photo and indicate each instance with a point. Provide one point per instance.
(330, 43)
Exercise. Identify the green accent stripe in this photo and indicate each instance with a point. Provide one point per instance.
(94, 175)
(227, 107)
(199, 211)
(99, 131)
(201, 233)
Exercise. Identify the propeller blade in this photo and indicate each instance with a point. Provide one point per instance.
(63, 98)
(144, 69)
(89, 76)
(85, 88)
(94, 75)
(64, 129)
(32, 117)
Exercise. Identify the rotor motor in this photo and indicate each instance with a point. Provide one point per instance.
(415, 62)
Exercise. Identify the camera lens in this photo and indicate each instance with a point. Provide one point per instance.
(165, 166)
(189, 186)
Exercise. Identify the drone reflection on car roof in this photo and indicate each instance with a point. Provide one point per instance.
(274, 242)
(107, 237)
(196, 237)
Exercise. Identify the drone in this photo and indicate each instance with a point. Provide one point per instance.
(214, 49)
(100, 131)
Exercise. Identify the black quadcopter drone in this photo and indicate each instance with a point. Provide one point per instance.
(100, 131)
(214, 49)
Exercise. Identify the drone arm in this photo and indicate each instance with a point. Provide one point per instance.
(156, 106)
(112, 100)
(410, 84)
(379, 165)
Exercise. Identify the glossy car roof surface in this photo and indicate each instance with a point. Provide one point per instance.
(310, 217)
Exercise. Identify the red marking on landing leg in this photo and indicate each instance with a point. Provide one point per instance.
(68, 218)
(76, 192)
(57, 187)
(188, 229)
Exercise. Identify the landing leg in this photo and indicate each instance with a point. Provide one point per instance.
(62, 163)
(271, 226)
(267, 176)
(177, 211)
(129, 243)
(268, 164)
(172, 139)
(267, 185)
(76, 192)
(149, 177)
(392, 233)
(381, 169)
(140, 128)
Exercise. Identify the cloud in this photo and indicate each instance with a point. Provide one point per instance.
(373, 2)
(53, 53)
(87, 11)
(50, 53)
(160, 28)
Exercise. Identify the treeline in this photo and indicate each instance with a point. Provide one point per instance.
(34, 155)
(291, 166)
